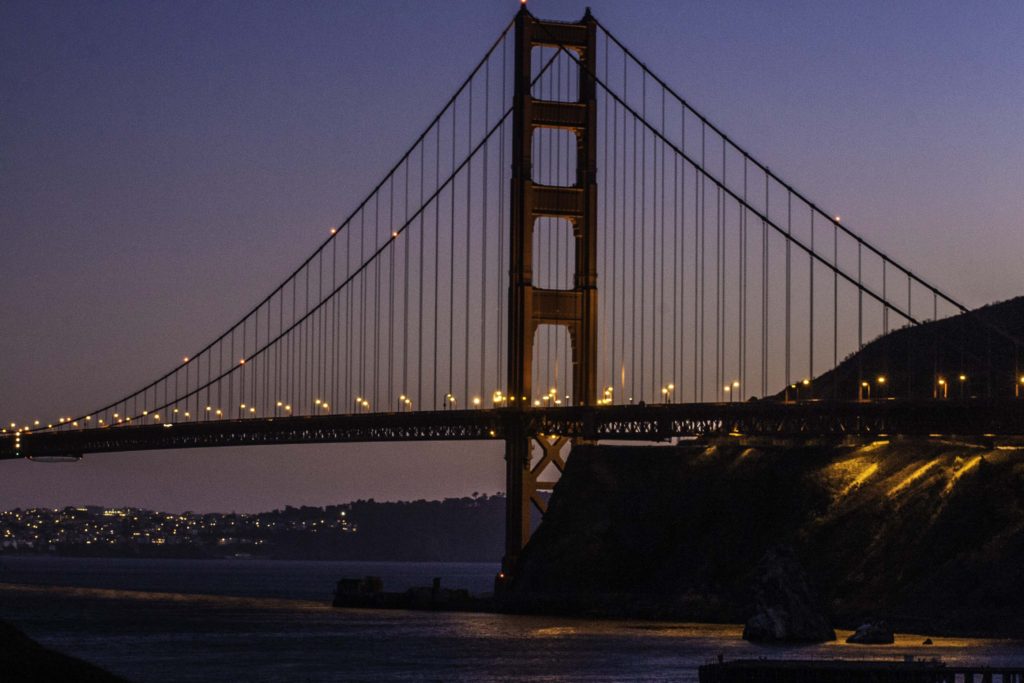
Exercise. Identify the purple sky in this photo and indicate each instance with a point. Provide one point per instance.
(164, 165)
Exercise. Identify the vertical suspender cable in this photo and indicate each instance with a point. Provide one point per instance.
(617, 278)
(419, 290)
(743, 284)
(910, 355)
(696, 278)
(451, 279)
(323, 331)
(602, 229)
(469, 237)
(789, 287)
(437, 259)
(676, 269)
(363, 313)
(389, 391)
(376, 349)
(404, 386)
(810, 308)
(633, 290)
(682, 250)
(660, 310)
(718, 284)
(720, 351)
(483, 237)
(502, 187)
(703, 242)
(642, 294)
(835, 312)
(860, 315)
(764, 291)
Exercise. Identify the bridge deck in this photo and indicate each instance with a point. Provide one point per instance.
(808, 419)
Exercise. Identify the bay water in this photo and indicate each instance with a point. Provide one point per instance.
(261, 620)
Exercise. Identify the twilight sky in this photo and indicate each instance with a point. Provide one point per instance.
(163, 165)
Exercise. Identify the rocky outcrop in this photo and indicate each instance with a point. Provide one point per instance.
(929, 530)
(873, 633)
(23, 659)
(788, 608)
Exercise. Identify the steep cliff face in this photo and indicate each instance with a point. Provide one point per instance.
(926, 534)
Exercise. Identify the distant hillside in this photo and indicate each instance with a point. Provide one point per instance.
(450, 530)
(465, 529)
(926, 534)
(985, 345)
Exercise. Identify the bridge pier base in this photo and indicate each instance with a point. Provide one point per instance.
(526, 488)
(517, 500)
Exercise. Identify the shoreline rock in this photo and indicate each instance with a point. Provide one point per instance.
(23, 659)
(788, 608)
(873, 633)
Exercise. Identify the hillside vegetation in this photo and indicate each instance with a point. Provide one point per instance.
(928, 534)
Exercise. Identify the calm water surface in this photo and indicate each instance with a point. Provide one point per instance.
(182, 620)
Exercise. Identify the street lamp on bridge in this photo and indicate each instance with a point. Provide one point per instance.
(864, 392)
(942, 386)
(803, 383)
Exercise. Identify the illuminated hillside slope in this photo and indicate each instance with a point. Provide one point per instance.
(927, 534)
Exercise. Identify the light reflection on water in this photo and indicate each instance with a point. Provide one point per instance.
(169, 635)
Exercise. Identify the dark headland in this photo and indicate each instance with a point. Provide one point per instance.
(925, 533)
(26, 661)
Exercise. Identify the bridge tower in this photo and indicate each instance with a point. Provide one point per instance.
(530, 306)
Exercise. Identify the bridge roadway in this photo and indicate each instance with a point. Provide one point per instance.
(768, 418)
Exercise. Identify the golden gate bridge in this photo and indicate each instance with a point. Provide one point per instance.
(570, 252)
